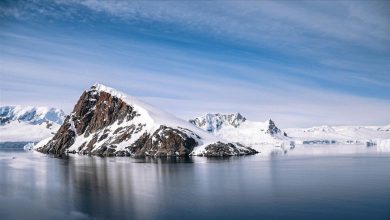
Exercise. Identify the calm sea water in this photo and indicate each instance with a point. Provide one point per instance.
(292, 186)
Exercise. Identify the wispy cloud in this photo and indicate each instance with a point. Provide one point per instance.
(357, 21)
(301, 63)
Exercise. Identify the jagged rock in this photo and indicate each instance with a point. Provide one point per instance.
(63, 139)
(213, 122)
(222, 150)
(272, 129)
(236, 128)
(164, 142)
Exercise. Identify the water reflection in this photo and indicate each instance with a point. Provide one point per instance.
(82, 187)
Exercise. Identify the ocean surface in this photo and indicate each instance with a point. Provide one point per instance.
(327, 182)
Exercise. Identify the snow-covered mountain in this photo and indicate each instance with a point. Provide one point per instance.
(213, 122)
(30, 114)
(110, 123)
(267, 138)
(28, 123)
(340, 134)
(236, 128)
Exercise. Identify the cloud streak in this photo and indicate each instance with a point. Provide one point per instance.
(301, 63)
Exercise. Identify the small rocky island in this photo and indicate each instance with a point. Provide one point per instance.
(106, 122)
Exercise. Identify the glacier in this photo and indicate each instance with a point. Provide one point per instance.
(264, 137)
(268, 139)
(29, 123)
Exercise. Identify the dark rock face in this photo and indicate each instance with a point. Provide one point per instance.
(272, 129)
(63, 139)
(164, 142)
(222, 150)
(95, 111)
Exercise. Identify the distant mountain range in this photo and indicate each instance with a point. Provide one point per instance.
(236, 128)
(369, 135)
(107, 122)
(219, 124)
(214, 122)
(28, 123)
(266, 137)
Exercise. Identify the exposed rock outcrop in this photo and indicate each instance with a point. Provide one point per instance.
(273, 130)
(220, 149)
(213, 122)
(235, 128)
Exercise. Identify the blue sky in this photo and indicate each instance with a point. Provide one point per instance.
(300, 63)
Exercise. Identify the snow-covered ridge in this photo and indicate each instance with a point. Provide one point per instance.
(213, 122)
(149, 112)
(340, 134)
(223, 124)
(236, 128)
(320, 129)
(29, 123)
(267, 137)
(30, 114)
(152, 116)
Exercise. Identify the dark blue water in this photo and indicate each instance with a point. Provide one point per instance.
(36, 186)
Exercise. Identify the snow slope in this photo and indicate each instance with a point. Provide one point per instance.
(373, 137)
(261, 136)
(267, 138)
(340, 134)
(30, 114)
(28, 123)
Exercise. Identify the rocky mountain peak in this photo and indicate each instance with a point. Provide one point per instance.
(273, 130)
(213, 122)
(107, 122)
(97, 108)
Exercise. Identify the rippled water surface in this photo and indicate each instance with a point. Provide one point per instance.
(312, 185)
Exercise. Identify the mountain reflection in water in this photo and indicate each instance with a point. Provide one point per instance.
(37, 186)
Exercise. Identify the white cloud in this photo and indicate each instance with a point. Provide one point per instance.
(258, 21)
(53, 70)
(187, 97)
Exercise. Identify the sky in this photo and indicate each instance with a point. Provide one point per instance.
(301, 63)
